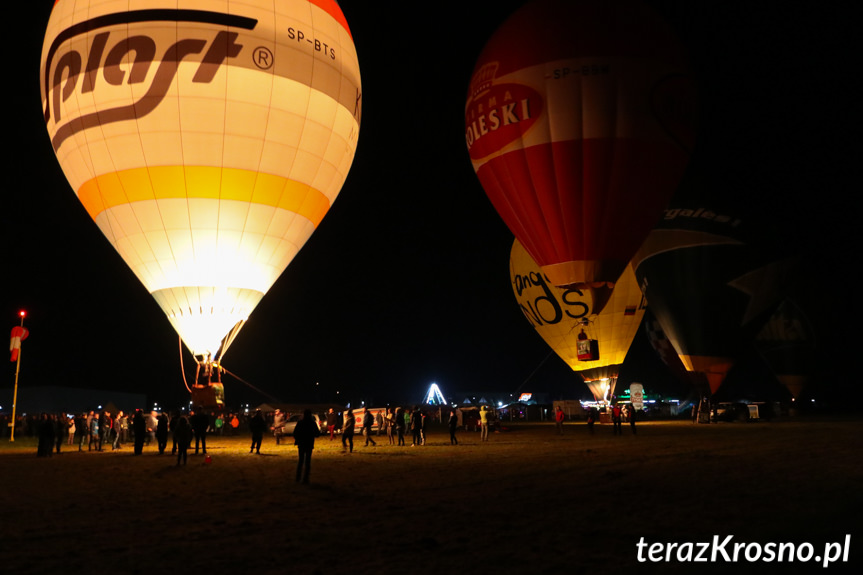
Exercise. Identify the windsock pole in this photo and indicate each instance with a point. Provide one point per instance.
(15, 393)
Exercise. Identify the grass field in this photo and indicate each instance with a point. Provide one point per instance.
(527, 501)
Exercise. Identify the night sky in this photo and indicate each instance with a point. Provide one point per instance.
(406, 280)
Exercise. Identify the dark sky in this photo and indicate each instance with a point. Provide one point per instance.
(406, 280)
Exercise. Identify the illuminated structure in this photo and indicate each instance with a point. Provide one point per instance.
(434, 396)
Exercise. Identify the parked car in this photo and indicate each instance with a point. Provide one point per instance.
(291, 423)
(735, 412)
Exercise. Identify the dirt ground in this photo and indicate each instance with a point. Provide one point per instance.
(527, 501)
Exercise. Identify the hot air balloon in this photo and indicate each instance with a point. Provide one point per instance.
(566, 318)
(787, 343)
(578, 125)
(207, 140)
(668, 354)
(711, 285)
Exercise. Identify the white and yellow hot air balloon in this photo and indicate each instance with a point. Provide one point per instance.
(567, 319)
(206, 139)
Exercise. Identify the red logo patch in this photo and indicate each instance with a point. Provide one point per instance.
(499, 116)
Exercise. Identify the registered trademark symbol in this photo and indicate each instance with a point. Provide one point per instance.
(263, 58)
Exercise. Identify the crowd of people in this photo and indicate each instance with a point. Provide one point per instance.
(103, 430)
(395, 423)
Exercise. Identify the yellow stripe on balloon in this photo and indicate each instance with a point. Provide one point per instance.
(163, 182)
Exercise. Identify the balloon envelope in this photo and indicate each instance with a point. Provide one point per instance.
(560, 314)
(787, 343)
(709, 285)
(577, 123)
(207, 140)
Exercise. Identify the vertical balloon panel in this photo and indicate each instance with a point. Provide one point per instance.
(207, 140)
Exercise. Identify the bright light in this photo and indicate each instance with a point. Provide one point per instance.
(22, 313)
(434, 396)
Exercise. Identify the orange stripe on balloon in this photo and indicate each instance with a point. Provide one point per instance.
(164, 182)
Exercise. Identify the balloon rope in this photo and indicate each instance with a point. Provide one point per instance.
(182, 366)
(262, 392)
(533, 372)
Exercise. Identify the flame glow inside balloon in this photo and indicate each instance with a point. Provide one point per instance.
(206, 139)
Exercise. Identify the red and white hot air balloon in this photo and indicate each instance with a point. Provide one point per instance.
(578, 124)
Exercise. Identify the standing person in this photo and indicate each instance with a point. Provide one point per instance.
(95, 437)
(87, 421)
(122, 426)
(453, 425)
(278, 425)
(162, 432)
(81, 430)
(257, 425)
(400, 425)
(106, 424)
(631, 411)
(70, 429)
(616, 419)
(151, 427)
(182, 438)
(219, 424)
(379, 419)
(559, 416)
(304, 437)
(368, 422)
(591, 418)
(390, 422)
(348, 429)
(332, 418)
(483, 423)
(139, 428)
(417, 426)
(200, 422)
(45, 432)
(172, 427)
(60, 430)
